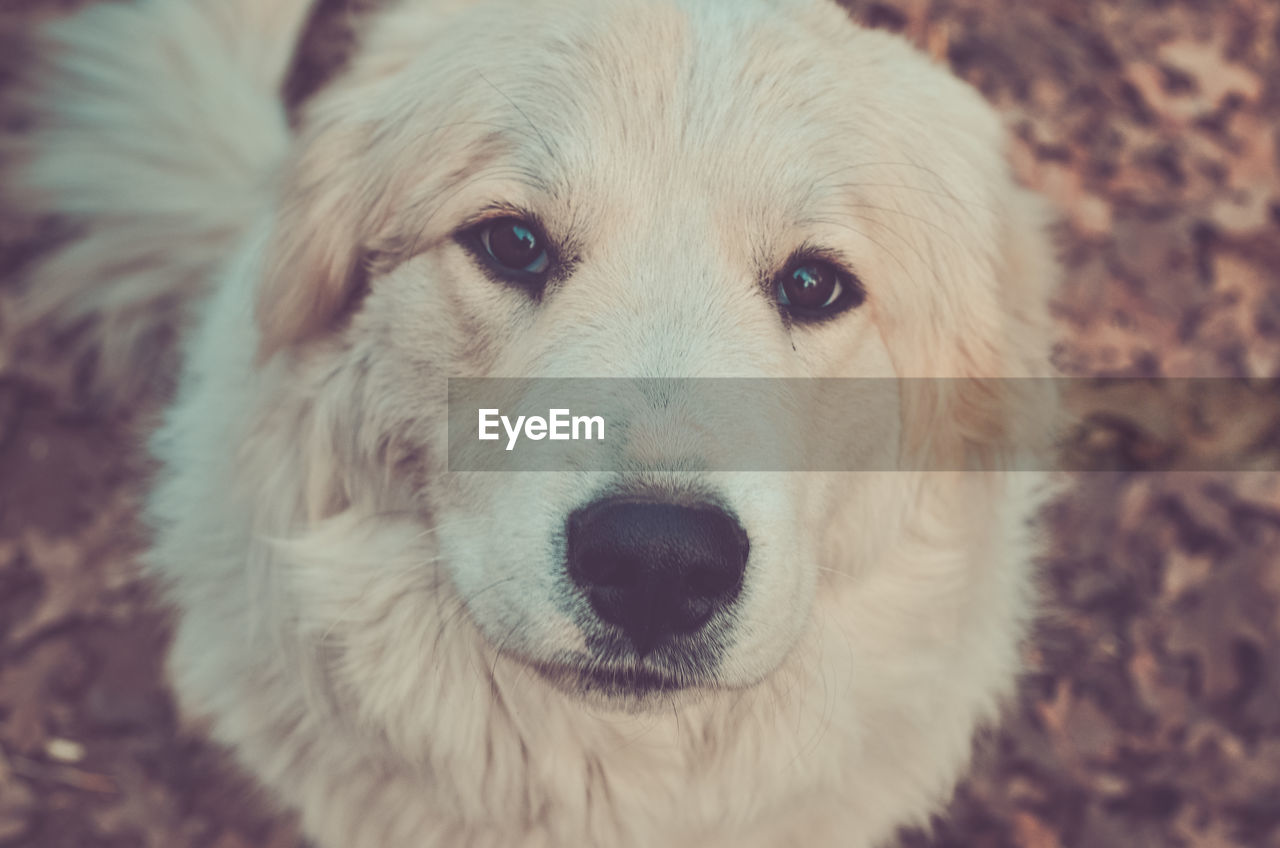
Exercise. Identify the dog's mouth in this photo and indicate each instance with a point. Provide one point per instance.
(617, 684)
(629, 682)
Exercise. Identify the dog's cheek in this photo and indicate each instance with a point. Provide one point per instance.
(440, 314)
(502, 542)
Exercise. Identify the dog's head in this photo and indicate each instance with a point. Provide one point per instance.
(638, 189)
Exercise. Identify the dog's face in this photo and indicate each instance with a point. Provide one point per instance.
(641, 189)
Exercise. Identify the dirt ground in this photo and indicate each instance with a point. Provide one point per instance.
(1150, 713)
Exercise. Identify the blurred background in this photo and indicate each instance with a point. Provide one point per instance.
(1150, 712)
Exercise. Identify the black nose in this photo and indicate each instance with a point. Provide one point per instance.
(656, 569)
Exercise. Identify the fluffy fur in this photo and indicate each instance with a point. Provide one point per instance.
(364, 629)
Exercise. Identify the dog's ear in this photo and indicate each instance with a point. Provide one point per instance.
(1014, 418)
(991, 401)
(338, 189)
(313, 268)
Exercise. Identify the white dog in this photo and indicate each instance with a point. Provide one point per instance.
(412, 657)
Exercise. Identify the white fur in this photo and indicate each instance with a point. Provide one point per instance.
(357, 624)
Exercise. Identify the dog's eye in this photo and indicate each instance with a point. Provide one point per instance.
(815, 288)
(515, 245)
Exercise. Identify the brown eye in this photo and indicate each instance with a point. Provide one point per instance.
(815, 288)
(515, 245)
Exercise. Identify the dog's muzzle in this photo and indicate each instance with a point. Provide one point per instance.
(656, 570)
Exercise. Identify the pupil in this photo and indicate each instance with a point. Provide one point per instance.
(810, 287)
(515, 245)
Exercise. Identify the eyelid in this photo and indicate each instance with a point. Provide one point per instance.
(498, 212)
(807, 253)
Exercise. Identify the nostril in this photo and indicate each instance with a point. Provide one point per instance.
(654, 569)
(692, 614)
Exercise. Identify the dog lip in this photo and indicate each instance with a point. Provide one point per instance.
(616, 682)
(631, 681)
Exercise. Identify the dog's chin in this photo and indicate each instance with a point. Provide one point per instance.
(624, 688)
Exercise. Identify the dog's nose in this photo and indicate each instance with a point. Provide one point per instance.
(656, 569)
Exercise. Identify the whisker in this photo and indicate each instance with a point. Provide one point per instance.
(545, 143)
(422, 228)
(922, 220)
(939, 179)
(465, 601)
(904, 187)
(881, 245)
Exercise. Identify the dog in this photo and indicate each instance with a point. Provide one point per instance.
(412, 655)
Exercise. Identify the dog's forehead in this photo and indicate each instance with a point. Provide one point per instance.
(770, 109)
(770, 114)
(683, 96)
